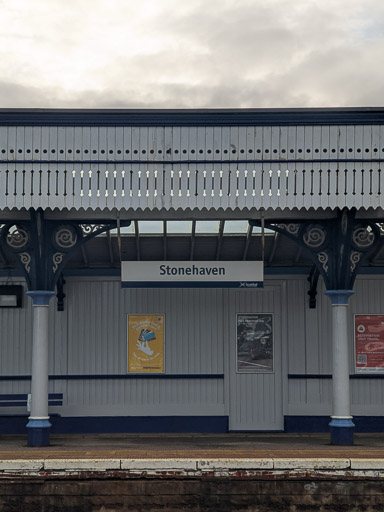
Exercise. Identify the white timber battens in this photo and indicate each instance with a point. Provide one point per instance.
(375, 166)
(159, 167)
(184, 168)
(284, 174)
(241, 170)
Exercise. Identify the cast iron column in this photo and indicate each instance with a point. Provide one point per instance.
(342, 426)
(38, 427)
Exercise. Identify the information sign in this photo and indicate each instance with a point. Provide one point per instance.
(369, 343)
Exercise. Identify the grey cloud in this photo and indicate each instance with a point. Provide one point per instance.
(248, 54)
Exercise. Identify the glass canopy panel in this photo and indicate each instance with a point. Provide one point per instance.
(151, 227)
(179, 227)
(235, 227)
(207, 227)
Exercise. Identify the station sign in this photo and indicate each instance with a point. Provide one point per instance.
(192, 274)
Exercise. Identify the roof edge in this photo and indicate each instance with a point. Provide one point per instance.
(192, 117)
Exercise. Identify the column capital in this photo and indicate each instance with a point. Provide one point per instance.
(41, 297)
(339, 297)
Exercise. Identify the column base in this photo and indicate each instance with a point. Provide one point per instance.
(342, 432)
(38, 432)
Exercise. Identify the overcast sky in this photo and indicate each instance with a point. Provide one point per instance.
(191, 53)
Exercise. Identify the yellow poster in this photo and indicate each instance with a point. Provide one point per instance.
(146, 343)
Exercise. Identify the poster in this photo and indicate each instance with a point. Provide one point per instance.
(369, 343)
(254, 343)
(146, 343)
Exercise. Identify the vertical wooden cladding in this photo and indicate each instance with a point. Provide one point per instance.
(97, 344)
(90, 337)
(191, 167)
(309, 346)
(16, 349)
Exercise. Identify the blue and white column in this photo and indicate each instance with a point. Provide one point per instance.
(342, 426)
(39, 425)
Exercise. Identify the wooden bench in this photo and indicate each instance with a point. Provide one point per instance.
(21, 399)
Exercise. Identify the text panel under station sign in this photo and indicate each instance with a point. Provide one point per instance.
(204, 274)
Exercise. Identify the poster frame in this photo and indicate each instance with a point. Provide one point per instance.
(144, 315)
(374, 370)
(255, 372)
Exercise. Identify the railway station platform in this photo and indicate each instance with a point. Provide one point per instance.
(187, 446)
(231, 472)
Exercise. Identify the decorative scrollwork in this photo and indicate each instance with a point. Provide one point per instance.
(18, 238)
(354, 258)
(314, 237)
(323, 260)
(380, 225)
(88, 229)
(363, 237)
(292, 229)
(66, 237)
(25, 259)
(57, 259)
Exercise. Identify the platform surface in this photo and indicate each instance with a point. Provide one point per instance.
(193, 446)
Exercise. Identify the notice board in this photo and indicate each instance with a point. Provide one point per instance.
(369, 343)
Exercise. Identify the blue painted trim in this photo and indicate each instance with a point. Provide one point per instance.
(41, 297)
(329, 376)
(14, 396)
(38, 436)
(313, 424)
(24, 396)
(192, 284)
(341, 423)
(15, 424)
(309, 376)
(342, 436)
(38, 424)
(140, 424)
(103, 376)
(191, 117)
(20, 403)
(339, 297)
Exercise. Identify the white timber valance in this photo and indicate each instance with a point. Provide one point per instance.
(191, 167)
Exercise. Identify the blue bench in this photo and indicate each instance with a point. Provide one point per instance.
(21, 399)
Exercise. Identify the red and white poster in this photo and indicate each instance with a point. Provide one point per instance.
(369, 343)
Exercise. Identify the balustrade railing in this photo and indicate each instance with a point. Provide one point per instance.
(157, 186)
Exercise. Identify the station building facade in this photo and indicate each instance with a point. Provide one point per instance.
(191, 271)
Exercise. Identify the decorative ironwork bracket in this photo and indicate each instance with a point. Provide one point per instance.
(43, 247)
(337, 247)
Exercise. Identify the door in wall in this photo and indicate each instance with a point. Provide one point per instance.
(254, 366)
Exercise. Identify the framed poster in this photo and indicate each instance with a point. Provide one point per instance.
(146, 343)
(254, 343)
(369, 343)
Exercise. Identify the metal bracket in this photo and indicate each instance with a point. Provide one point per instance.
(337, 247)
(43, 247)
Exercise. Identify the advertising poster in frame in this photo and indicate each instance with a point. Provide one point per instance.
(254, 343)
(369, 343)
(145, 343)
